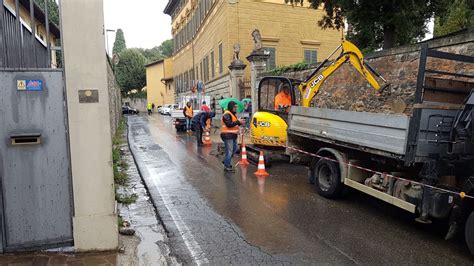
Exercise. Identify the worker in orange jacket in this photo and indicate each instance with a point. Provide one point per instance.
(188, 114)
(229, 132)
(283, 99)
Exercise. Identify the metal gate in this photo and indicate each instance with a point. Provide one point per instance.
(36, 191)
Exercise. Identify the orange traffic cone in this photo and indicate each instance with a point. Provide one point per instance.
(207, 139)
(244, 161)
(261, 166)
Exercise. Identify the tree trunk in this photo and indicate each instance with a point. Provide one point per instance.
(388, 37)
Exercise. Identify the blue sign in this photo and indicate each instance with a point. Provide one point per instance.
(29, 85)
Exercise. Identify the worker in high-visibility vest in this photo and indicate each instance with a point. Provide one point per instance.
(188, 114)
(229, 132)
(202, 122)
(148, 108)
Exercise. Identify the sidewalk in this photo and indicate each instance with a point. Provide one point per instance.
(152, 247)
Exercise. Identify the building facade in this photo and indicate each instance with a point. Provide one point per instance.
(159, 82)
(205, 31)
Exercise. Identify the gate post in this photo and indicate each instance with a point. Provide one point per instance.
(95, 219)
(257, 59)
(236, 74)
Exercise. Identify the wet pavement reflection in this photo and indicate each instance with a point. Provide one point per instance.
(217, 217)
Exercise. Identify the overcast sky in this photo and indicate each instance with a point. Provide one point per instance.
(142, 21)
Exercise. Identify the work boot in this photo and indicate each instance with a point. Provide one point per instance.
(228, 169)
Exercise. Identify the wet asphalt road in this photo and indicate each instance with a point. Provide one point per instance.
(214, 217)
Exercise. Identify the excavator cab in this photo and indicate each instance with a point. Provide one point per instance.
(276, 95)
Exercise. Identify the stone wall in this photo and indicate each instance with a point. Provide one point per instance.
(346, 89)
(115, 99)
(218, 89)
(137, 103)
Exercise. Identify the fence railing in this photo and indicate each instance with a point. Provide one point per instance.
(20, 45)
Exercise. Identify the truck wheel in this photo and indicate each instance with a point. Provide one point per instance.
(328, 178)
(469, 232)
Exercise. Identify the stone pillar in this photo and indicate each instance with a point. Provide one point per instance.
(236, 78)
(257, 60)
(85, 70)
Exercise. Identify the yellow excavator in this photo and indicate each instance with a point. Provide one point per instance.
(268, 127)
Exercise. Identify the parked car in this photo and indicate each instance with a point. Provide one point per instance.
(166, 110)
(174, 107)
(158, 109)
(127, 110)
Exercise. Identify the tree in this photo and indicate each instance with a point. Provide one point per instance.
(457, 17)
(152, 54)
(53, 10)
(381, 23)
(119, 43)
(156, 53)
(130, 71)
(166, 48)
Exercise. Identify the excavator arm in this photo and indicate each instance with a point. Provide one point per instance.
(310, 87)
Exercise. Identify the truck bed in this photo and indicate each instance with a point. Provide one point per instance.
(384, 134)
(178, 114)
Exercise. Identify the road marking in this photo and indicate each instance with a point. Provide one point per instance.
(186, 234)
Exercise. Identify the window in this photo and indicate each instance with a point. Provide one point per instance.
(271, 61)
(221, 68)
(190, 78)
(310, 56)
(206, 68)
(196, 76)
(177, 84)
(269, 89)
(185, 81)
(200, 67)
(212, 65)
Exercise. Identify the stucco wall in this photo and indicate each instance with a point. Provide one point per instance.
(95, 220)
(157, 92)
